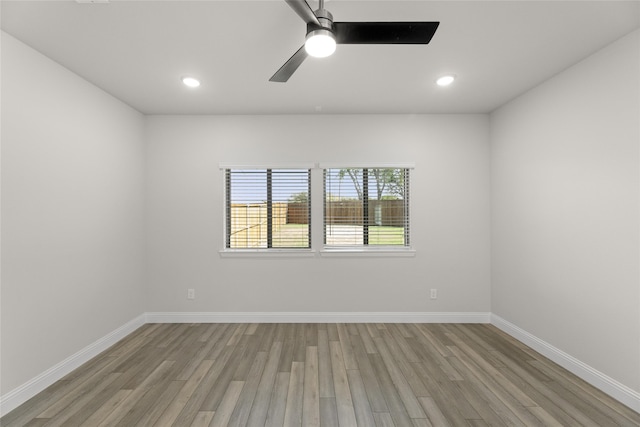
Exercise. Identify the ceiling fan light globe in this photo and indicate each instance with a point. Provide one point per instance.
(320, 43)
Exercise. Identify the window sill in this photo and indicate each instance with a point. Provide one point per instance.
(368, 252)
(267, 253)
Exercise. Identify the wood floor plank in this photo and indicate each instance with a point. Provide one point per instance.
(300, 343)
(332, 331)
(311, 334)
(278, 401)
(268, 335)
(594, 399)
(488, 371)
(177, 333)
(286, 356)
(328, 412)
(337, 375)
(364, 415)
(132, 341)
(546, 418)
(203, 419)
(583, 407)
(395, 339)
(209, 331)
(383, 419)
(222, 338)
(430, 349)
(391, 396)
(373, 330)
(213, 339)
(36, 405)
(227, 404)
(311, 394)
(59, 414)
(260, 406)
(404, 331)
(352, 329)
(237, 334)
(76, 389)
(366, 338)
(177, 405)
(241, 413)
(132, 398)
(293, 409)
(222, 382)
(443, 391)
(325, 375)
(421, 422)
(371, 383)
(246, 362)
(554, 404)
(140, 370)
(488, 406)
(252, 328)
(347, 349)
(497, 386)
(107, 408)
(344, 404)
(209, 382)
(411, 404)
(153, 413)
(434, 413)
(99, 399)
(425, 334)
(414, 380)
(279, 335)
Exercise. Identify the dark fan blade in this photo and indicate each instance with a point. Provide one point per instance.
(303, 10)
(289, 67)
(384, 32)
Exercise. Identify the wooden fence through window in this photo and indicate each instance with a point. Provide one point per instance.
(381, 212)
(249, 221)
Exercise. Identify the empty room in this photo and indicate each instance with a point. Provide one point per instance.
(323, 213)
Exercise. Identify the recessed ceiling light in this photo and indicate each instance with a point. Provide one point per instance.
(445, 80)
(190, 81)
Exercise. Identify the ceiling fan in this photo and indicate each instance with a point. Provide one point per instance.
(323, 34)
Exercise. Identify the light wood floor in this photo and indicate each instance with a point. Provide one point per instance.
(320, 374)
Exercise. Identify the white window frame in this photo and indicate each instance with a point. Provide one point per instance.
(362, 250)
(263, 252)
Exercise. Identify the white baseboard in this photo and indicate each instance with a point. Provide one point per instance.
(608, 385)
(20, 395)
(318, 317)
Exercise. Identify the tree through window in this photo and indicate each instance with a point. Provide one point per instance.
(366, 207)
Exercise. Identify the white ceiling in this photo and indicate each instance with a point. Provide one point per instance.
(139, 50)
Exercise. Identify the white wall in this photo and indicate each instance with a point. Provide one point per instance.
(450, 214)
(565, 211)
(72, 214)
(564, 192)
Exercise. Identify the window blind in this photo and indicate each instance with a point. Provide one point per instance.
(366, 207)
(267, 208)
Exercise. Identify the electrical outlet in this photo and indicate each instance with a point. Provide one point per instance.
(434, 294)
(191, 294)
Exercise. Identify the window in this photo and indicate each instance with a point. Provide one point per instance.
(366, 207)
(267, 208)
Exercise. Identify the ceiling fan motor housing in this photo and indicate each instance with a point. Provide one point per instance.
(326, 21)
